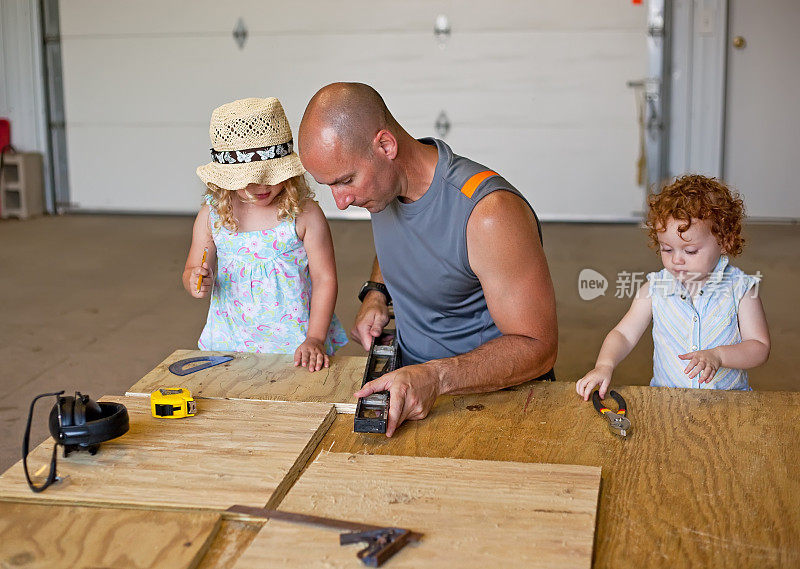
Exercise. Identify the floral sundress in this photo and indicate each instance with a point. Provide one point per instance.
(262, 292)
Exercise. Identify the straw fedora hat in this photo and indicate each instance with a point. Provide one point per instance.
(251, 144)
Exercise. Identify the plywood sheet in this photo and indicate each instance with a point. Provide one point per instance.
(38, 536)
(268, 377)
(723, 463)
(231, 452)
(473, 513)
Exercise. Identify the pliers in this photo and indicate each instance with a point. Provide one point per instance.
(617, 421)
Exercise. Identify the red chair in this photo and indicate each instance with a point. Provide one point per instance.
(5, 141)
(5, 134)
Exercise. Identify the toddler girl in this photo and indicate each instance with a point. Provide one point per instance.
(708, 321)
(269, 240)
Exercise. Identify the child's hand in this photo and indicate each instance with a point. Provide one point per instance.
(705, 362)
(600, 375)
(205, 286)
(311, 354)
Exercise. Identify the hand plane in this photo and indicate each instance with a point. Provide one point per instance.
(372, 411)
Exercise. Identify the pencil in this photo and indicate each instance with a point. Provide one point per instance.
(200, 277)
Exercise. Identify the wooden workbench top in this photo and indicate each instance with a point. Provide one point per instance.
(706, 478)
(264, 377)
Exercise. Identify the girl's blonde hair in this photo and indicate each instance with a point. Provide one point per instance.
(289, 201)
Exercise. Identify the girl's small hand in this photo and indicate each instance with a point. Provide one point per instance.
(600, 375)
(705, 363)
(311, 354)
(205, 286)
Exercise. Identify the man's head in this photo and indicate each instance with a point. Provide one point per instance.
(348, 140)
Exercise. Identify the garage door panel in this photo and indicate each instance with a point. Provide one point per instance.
(537, 90)
(204, 17)
(545, 166)
(169, 80)
(136, 176)
(551, 170)
(130, 168)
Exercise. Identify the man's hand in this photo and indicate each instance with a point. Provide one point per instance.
(371, 319)
(412, 392)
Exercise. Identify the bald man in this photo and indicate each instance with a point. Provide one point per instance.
(458, 249)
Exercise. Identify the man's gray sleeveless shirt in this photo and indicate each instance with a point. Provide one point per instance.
(440, 309)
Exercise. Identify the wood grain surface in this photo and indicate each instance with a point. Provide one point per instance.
(706, 479)
(231, 452)
(34, 536)
(231, 541)
(268, 377)
(473, 513)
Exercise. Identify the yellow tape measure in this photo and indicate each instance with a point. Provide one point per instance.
(172, 403)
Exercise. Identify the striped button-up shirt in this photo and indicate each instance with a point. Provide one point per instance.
(683, 324)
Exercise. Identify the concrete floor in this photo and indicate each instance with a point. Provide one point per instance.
(92, 303)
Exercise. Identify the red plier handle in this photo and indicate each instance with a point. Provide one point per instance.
(602, 409)
(617, 421)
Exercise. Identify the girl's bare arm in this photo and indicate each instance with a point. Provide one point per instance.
(755, 345)
(201, 239)
(618, 344)
(313, 229)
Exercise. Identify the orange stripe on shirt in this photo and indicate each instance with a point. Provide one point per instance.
(475, 181)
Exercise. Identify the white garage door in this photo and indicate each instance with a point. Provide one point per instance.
(534, 90)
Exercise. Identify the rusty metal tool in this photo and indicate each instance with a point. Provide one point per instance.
(382, 542)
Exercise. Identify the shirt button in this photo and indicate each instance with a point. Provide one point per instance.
(694, 318)
(694, 347)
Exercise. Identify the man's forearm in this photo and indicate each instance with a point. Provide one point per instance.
(375, 296)
(376, 275)
(502, 362)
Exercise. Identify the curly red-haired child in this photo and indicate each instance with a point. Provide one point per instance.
(708, 321)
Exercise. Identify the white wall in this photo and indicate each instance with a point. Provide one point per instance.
(534, 90)
(21, 82)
